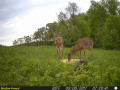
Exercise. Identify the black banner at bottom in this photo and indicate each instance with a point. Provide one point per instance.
(60, 88)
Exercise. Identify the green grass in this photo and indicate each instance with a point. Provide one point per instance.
(38, 66)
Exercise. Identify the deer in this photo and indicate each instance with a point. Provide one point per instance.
(80, 45)
(59, 44)
(84, 62)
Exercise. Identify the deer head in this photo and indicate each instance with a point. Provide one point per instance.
(55, 35)
(69, 55)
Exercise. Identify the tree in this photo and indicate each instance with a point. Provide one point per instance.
(50, 27)
(38, 35)
(96, 16)
(63, 25)
(83, 29)
(71, 10)
(20, 40)
(15, 42)
(67, 23)
(112, 6)
(27, 39)
(111, 38)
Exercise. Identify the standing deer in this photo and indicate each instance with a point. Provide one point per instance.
(59, 44)
(80, 45)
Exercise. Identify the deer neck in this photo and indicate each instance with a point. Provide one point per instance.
(56, 41)
(56, 38)
(74, 51)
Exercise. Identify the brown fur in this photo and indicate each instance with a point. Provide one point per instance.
(80, 45)
(59, 44)
(80, 63)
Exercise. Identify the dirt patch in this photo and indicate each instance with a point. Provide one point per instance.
(71, 61)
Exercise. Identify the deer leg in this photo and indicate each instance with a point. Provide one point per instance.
(91, 52)
(57, 51)
(84, 52)
(62, 51)
(80, 54)
(91, 55)
(90, 49)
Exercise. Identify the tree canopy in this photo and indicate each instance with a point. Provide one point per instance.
(100, 22)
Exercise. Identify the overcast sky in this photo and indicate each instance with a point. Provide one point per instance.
(19, 18)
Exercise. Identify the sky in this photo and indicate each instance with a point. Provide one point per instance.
(19, 18)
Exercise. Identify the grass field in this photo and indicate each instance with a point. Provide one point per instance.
(38, 66)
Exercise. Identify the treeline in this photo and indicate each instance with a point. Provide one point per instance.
(101, 23)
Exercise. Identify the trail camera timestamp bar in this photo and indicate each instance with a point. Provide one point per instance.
(80, 88)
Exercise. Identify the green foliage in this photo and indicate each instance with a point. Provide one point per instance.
(97, 15)
(51, 29)
(112, 6)
(100, 23)
(112, 27)
(27, 39)
(39, 34)
(67, 43)
(37, 66)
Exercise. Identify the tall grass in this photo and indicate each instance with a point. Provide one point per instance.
(38, 66)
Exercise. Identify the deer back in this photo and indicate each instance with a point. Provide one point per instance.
(80, 63)
(84, 42)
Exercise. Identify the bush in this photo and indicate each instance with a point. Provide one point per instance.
(68, 43)
(111, 31)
